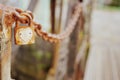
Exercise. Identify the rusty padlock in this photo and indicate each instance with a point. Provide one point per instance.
(24, 34)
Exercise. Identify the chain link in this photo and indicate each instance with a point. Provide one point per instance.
(70, 27)
(22, 16)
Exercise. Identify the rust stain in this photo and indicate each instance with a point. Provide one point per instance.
(8, 20)
(6, 55)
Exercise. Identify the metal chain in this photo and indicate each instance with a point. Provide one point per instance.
(23, 17)
(70, 27)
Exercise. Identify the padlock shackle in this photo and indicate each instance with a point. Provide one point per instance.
(29, 17)
(30, 21)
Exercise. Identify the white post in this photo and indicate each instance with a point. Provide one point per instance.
(5, 48)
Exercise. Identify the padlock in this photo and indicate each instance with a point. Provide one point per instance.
(24, 34)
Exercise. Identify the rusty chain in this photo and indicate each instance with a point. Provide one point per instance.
(26, 16)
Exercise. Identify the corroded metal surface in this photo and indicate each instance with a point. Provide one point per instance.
(5, 48)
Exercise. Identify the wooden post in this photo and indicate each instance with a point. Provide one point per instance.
(60, 51)
(81, 57)
(5, 48)
(73, 44)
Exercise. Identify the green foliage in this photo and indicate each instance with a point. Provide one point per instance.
(110, 8)
(115, 3)
(38, 55)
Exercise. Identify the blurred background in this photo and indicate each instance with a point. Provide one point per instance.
(92, 52)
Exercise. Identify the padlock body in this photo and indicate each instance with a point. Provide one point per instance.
(24, 35)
